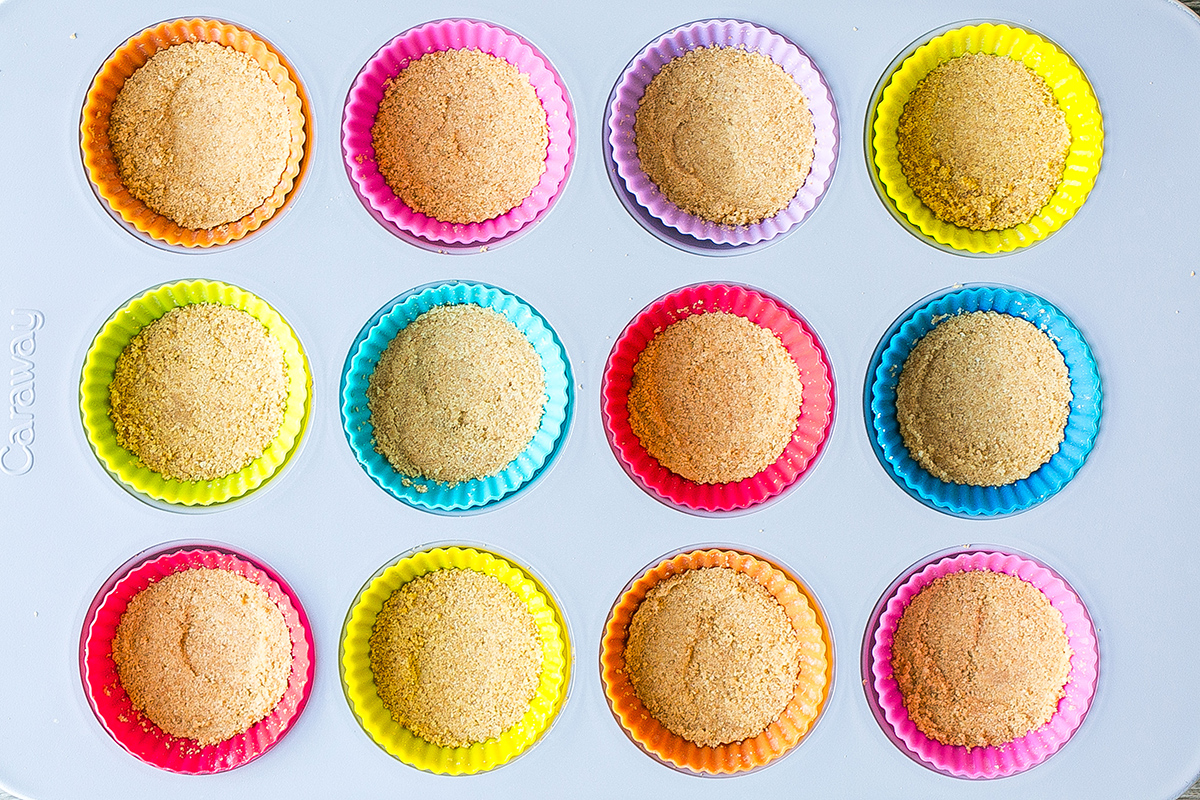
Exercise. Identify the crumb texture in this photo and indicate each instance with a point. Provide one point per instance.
(715, 398)
(983, 399)
(204, 653)
(199, 393)
(201, 134)
(725, 134)
(982, 142)
(461, 136)
(457, 395)
(981, 658)
(456, 657)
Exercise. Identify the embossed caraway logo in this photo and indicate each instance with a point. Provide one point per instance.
(16, 456)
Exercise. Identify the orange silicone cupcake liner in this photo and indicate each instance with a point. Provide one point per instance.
(101, 164)
(782, 735)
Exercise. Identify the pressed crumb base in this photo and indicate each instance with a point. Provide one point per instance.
(981, 658)
(204, 653)
(455, 656)
(982, 142)
(725, 134)
(712, 655)
(201, 134)
(983, 399)
(461, 136)
(715, 398)
(199, 393)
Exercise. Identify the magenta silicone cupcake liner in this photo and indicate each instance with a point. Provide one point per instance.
(640, 195)
(128, 726)
(362, 106)
(883, 694)
(812, 427)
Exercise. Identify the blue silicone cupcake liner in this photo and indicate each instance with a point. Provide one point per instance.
(480, 494)
(961, 500)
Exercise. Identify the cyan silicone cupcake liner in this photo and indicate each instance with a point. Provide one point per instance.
(358, 681)
(480, 494)
(1071, 90)
(128, 726)
(1026, 752)
(99, 367)
(812, 427)
(883, 375)
(643, 199)
(362, 106)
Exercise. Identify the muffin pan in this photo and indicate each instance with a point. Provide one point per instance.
(1121, 270)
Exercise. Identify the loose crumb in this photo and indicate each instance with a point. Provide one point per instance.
(457, 395)
(983, 399)
(981, 658)
(982, 142)
(715, 398)
(461, 136)
(201, 134)
(725, 134)
(456, 657)
(712, 656)
(199, 393)
(204, 653)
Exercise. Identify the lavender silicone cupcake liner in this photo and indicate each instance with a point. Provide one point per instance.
(643, 199)
(1026, 752)
(362, 106)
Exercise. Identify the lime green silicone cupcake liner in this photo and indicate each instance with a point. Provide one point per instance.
(100, 365)
(1071, 90)
(358, 682)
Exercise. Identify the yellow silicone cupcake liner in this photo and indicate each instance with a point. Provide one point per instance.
(100, 365)
(359, 683)
(102, 167)
(1072, 92)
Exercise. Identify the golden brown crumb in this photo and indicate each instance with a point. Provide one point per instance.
(455, 656)
(204, 653)
(712, 656)
(981, 659)
(461, 136)
(715, 398)
(199, 393)
(983, 399)
(725, 134)
(201, 134)
(982, 142)
(457, 395)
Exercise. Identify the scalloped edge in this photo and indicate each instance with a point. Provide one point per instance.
(99, 366)
(358, 683)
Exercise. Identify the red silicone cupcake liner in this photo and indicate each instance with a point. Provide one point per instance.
(1020, 754)
(362, 106)
(812, 427)
(131, 729)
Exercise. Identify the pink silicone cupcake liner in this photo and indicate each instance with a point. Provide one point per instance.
(362, 106)
(1020, 754)
(812, 427)
(723, 33)
(131, 729)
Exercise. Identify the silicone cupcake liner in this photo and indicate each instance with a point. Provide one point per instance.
(362, 106)
(644, 200)
(883, 429)
(812, 427)
(481, 493)
(1071, 90)
(795, 722)
(1021, 754)
(99, 367)
(131, 729)
(100, 163)
(358, 682)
